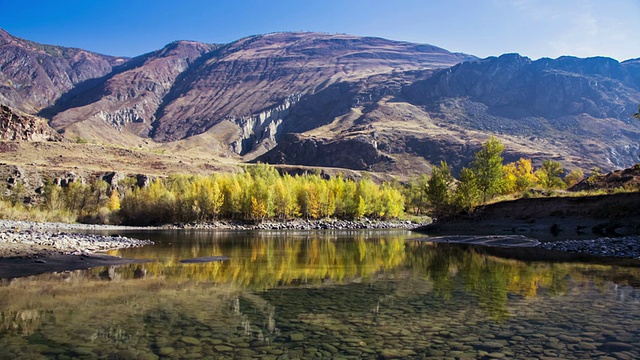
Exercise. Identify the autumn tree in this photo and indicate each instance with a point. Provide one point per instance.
(392, 201)
(518, 176)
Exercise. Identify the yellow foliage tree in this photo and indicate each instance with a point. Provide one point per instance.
(114, 201)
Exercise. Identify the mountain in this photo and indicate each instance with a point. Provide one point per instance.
(240, 90)
(128, 97)
(343, 101)
(33, 75)
(580, 108)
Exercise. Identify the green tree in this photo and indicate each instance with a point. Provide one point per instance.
(595, 176)
(415, 195)
(53, 197)
(549, 175)
(573, 177)
(439, 189)
(487, 168)
(467, 195)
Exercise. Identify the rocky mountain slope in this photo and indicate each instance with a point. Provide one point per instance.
(34, 75)
(331, 100)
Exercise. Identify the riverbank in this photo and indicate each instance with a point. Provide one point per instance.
(301, 224)
(621, 247)
(29, 248)
(38, 240)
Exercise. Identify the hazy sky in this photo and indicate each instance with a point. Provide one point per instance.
(534, 28)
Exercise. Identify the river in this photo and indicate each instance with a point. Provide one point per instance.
(366, 294)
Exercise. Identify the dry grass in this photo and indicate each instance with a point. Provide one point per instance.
(24, 213)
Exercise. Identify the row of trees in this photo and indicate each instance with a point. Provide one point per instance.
(261, 192)
(484, 178)
(258, 193)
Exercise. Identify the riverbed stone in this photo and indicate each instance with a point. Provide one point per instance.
(569, 339)
(223, 348)
(164, 351)
(496, 355)
(296, 337)
(489, 345)
(190, 340)
(330, 348)
(586, 346)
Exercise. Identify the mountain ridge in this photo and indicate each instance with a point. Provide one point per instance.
(346, 101)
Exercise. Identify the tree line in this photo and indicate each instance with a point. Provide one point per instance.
(482, 180)
(260, 192)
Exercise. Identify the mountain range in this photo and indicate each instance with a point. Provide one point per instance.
(324, 100)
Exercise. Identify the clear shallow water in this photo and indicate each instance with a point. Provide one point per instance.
(288, 295)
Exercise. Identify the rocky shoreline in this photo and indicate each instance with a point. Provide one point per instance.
(43, 242)
(625, 247)
(301, 224)
(32, 239)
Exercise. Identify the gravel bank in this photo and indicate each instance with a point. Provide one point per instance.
(627, 247)
(31, 239)
(300, 224)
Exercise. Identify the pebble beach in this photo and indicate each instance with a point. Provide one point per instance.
(33, 239)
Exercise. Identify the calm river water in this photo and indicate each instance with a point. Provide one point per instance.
(322, 295)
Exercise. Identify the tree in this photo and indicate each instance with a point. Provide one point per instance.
(487, 168)
(573, 177)
(392, 201)
(595, 176)
(467, 195)
(549, 175)
(114, 201)
(518, 176)
(439, 189)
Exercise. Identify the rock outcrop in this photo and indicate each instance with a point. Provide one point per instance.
(17, 126)
(358, 153)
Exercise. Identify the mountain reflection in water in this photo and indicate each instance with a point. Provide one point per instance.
(325, 294)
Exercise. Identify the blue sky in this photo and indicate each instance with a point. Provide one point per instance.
(534, 28)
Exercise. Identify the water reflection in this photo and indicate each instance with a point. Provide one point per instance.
(322, 295)
(262, 260)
